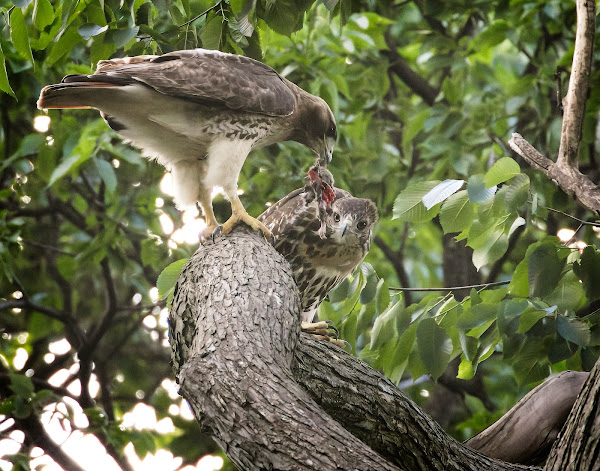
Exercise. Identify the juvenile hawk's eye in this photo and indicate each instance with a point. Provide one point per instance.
(336, 217)
(361, 225)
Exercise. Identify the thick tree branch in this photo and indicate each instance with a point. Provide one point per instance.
(234, 329)
(376, 411)
(578, 84)
(234, 326)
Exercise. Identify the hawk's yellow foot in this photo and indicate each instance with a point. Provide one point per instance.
(239, 214)
(323, 331)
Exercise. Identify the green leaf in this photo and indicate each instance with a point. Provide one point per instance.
(384, 327)
(61, 47)
(382, 296)
(441, 192)
(87, 30)
(435, 347)
(19, 34)
(477, 315)
(67, 165)
(517, 193)
(528, 319)
(573, 330)
(468, 345)
(466, 370)
(501, 171)
(120, 37)
(457, 213)
(143, 442)
(508, 312)
(107, 173)
(368, 292)
(409, 206)
(4, 83)
(588, 271)
(414, 126)
(212, 34)
(493, 35)
(478, 192)
(493, 248)
(402, 351)
(43, 14)
(168, 277)
(285, 16)
(544, 270)
(21, 385)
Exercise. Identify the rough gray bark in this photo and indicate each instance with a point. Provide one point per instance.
(578, 446)
(375, 410)
(234, 331)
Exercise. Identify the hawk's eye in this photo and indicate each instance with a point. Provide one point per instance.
(336, 217)
(361, 225)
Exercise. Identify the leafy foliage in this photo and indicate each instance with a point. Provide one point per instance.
(81, 245)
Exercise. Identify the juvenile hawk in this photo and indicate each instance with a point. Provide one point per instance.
(199, 113)
(322, 253)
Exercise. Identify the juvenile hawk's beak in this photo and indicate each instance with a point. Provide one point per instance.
(344, 229)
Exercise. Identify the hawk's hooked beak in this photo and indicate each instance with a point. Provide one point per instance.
(347, 224)
(327, 152)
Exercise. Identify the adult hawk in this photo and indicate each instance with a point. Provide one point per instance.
(321, 252)
(199, 113)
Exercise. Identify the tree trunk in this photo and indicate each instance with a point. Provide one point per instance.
(234, 333)
(578, 446)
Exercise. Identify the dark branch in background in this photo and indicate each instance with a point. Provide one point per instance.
(39, 436)
(564, 171)
(402, 69)
(77, 335)
(396, 258)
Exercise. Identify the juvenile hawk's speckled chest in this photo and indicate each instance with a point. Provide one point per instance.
(320, 264)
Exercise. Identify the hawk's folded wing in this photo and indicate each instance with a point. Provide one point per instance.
(205, 77)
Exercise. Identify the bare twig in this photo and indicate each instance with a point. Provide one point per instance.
(454, 288)
(580, 221)
(571, 180)
(201, 14)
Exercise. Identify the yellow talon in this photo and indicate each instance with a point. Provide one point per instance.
(254, 223)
